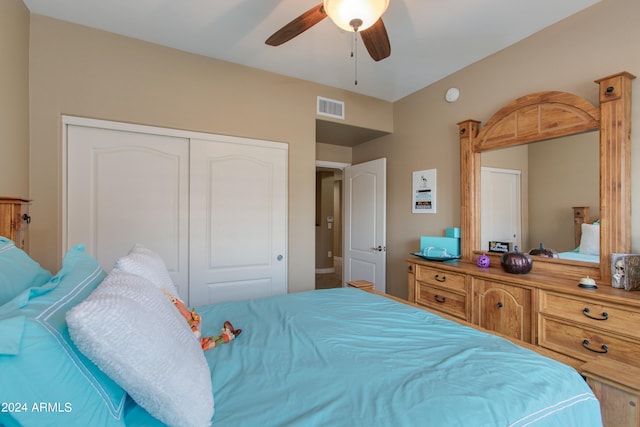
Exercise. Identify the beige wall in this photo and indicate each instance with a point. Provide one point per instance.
(80, 71)
(14, 101)
(568, 56)
(333, 153)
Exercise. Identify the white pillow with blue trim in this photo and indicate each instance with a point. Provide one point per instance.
(133, 332)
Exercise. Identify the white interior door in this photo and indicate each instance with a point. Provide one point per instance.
(125, 187)
(500, 206)
(365, 253)
(238, 220)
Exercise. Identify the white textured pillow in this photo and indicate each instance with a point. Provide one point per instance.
(146, 263)
(590, 239)
(129, 329)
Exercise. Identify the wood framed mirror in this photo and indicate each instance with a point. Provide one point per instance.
(547, 115)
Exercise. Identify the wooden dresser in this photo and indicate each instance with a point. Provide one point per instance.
(14, 219)
(595, 331)
(580, 325)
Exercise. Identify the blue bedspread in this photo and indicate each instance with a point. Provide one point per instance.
(345, 357)
(577, 256)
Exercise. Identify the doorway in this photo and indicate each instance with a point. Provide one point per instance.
(328, 220)
(354, 223)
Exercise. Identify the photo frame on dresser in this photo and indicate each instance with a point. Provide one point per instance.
(625, 271)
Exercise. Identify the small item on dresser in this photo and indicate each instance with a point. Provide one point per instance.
(625, 271)
(544, 252)
(588, 283)
(483, 261)
(632, 271)
(516, 262)
(501, 247)
(432, 253)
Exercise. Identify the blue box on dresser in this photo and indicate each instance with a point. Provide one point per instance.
(452, 232)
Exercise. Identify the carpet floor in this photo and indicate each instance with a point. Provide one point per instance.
(331, 280)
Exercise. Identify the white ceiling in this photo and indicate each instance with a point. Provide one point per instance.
(430, 39)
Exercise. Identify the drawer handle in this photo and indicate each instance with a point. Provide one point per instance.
(441, 278)
(500, 305)
(604, 347)
(440, 299)
(586, 311)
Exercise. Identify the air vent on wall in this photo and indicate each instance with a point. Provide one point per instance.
(330, 108)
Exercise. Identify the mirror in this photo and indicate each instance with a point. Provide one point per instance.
(545, 116)
(554, 176)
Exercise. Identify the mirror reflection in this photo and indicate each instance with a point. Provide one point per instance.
(529, 191)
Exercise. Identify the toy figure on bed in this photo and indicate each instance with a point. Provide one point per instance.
(194, 321)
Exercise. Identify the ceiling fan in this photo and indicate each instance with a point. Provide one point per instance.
(360, 16)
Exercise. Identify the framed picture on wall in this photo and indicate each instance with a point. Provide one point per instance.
(424, 191)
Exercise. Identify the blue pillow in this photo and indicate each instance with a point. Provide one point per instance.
(11, 330)
(57, 384)
(17, 271)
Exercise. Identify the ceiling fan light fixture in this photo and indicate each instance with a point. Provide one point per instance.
(345, 12)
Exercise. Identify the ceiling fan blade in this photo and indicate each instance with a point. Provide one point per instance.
(376, 40)
(299, 25)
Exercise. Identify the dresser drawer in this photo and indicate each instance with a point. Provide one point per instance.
(584, 343)
(441, 278)
(442, 300)
(602, 316)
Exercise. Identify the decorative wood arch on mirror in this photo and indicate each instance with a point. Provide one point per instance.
(547, 115)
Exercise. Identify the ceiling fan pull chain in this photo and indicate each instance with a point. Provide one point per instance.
(355, 49)
(352, 44)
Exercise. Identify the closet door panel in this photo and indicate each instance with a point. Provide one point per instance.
(127, 187)
(238, 220)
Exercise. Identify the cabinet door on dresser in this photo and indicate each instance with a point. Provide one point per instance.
(442, 291)
(14, 219)
(617, 387)
(504, 308)
(587, 328)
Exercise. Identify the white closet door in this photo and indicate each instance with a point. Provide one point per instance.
(126, 187)
(238, 239)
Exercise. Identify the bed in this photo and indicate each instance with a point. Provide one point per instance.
(336, 357)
